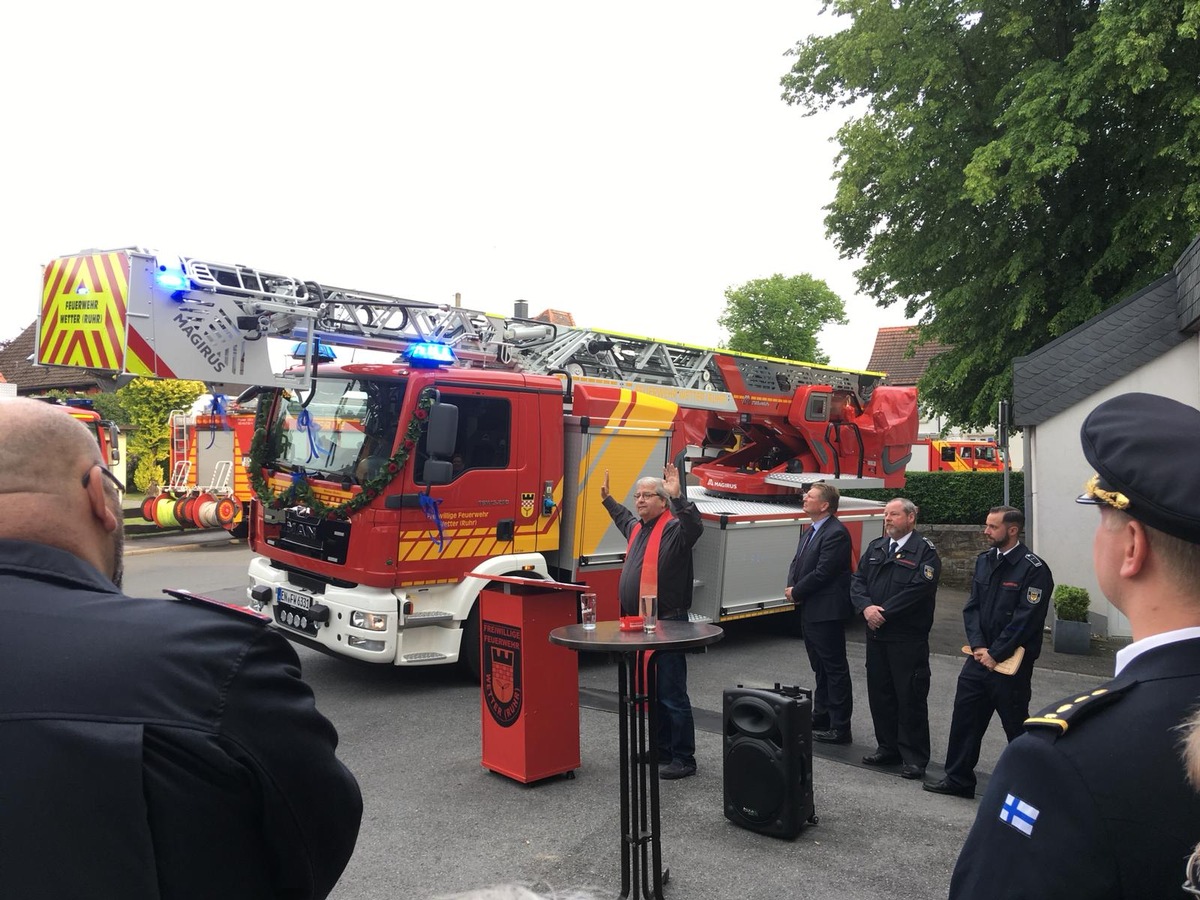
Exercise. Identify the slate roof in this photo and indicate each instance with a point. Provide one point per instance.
(1109, 345)
(890, 355)
(30, 379)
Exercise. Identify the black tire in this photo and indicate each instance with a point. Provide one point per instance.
(468, 651)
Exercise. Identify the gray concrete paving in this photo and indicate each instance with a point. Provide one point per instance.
(436, 821)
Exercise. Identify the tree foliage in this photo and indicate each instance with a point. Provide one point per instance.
(148, 403)
(1013, 167)
(780, 316)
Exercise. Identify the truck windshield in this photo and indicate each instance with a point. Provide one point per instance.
(347, 430)
(987, 453)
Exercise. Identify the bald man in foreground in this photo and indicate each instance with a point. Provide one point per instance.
(148, 748)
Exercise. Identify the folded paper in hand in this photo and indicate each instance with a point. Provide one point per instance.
(1007, 667)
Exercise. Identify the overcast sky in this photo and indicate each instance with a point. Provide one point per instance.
(626, 161)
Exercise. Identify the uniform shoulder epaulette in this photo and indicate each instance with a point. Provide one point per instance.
(929, 542)
(241, 612)
(1070, 711)
(1033, 559)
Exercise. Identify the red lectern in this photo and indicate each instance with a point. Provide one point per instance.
(529, 688)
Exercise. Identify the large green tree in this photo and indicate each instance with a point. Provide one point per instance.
(780, 316)
(1011, 167)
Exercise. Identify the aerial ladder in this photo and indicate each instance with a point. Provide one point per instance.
(756, 426)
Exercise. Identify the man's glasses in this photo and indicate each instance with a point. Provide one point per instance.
(87, 476)
(1191, 881)
(644, 496)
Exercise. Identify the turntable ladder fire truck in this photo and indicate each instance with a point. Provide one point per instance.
(480, 449)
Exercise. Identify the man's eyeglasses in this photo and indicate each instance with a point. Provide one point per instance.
(1191, 881)
(87, 476)
(644, 495)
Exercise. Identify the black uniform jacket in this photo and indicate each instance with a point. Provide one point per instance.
(905, 585)
(819, 575)
(675, 572)
(1106, 809)
(1007, 605)
(150, 748)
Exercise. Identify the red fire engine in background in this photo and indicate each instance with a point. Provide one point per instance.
(480, 448)
(955, 455)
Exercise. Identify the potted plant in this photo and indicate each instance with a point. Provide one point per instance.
(1071, 633)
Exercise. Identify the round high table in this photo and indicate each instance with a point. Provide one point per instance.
(641, 851)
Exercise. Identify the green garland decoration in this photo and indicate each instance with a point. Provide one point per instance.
(300, 492)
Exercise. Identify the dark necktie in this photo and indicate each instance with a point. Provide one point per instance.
(893, 549)
(807, 540)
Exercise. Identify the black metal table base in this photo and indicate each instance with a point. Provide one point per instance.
(642, 874)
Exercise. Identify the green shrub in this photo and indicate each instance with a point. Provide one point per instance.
(147, 472)
(953, 498)
(1071, 603)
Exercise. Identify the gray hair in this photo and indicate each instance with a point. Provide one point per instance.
(657, 484)
(910, 508)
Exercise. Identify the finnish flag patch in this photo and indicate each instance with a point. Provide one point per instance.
(1019, 814)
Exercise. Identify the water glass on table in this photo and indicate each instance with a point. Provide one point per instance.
(649, 611)
(587, 611)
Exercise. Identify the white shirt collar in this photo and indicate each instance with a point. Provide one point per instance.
(900, 542)
(1126, 655)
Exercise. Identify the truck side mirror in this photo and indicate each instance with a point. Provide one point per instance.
(438, 471)
(442, 432)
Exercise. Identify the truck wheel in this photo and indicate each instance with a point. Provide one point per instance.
(468, 651)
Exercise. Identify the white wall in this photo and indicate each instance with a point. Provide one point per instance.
(1061, 529)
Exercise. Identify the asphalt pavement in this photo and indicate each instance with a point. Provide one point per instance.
(435, 821)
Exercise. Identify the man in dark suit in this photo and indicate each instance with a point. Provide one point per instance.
(1091, 801)
(819, 583)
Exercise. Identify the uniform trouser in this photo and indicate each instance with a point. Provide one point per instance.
(898, 691)
(833, 694)
(676, 728)
(979, 694)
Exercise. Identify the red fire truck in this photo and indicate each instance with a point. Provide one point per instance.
(387, 494)
(954, 455)
(208, 487)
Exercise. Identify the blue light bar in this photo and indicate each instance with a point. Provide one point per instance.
(429, 355)
(171, 278)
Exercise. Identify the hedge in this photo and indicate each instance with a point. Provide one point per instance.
(953, 498)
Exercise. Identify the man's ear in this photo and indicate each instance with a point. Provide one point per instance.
(98, 501)
(1135, 546)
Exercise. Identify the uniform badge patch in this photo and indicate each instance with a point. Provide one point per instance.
(1035, 594)
(527, 504)
(927, 571)
(1019, 814)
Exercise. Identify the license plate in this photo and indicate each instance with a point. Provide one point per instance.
(295, 600)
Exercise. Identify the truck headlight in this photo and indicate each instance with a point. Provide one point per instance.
(369, 621)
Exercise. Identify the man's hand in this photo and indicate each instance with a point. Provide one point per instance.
(604, 486)
(984, 658)
(874, 617)
(671, 480)
(787, 592)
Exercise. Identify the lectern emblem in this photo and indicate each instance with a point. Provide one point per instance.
(501, 659)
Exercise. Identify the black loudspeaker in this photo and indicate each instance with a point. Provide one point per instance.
(768, 759)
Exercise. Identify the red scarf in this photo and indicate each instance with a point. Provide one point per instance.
(649, 582)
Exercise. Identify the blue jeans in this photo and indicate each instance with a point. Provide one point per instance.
(676, 729)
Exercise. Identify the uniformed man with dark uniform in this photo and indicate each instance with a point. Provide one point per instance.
(1004, 616)
(1092, 800)
(894, 589)
(149, 748)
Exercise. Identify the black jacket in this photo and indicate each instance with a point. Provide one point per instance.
(675, 574)
(156, 749)
(819, 575)
(905, 585)
(1007, 605)
(1112, 815)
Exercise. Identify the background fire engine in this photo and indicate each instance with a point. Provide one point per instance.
(480, 448)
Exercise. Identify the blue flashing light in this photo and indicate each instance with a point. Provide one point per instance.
(171, 278)
(429, 355)
(322, 352)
